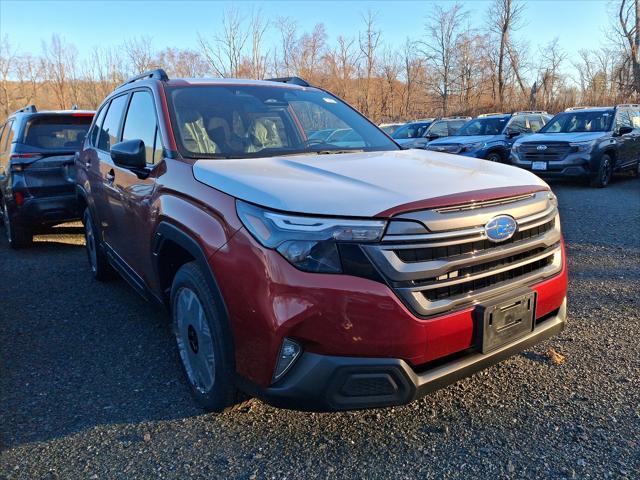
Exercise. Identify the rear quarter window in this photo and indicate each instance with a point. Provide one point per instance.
(57, 132)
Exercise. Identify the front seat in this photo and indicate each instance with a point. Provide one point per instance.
(194, 135)
(263, 133)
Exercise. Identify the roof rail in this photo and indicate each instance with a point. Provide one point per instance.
(483, 115)
(628, 105)
(27, 109)
(456, 117)
(158, 74)
(292, 80)
(572, 109)
(529, 112)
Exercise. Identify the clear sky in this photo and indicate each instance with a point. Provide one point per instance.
(577, 23)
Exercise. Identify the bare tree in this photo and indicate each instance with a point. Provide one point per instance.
(59, 63)
(140, 54)
(368, 42)
(224, 52)
(182, 63)
(7, 57)
(504, 19)
(629, 30)
(440, 49)
(287, 29)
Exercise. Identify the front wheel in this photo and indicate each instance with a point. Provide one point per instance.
(494, 157)
(605, 171)
(204, 343)
(17, 236)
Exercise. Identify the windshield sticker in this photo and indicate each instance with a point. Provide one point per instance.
(329, 100)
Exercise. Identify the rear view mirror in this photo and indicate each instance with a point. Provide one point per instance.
(129, 154)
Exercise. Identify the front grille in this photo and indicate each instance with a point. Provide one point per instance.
(484, 282)
(442, 270)
(448, 148)
(554, 151)
(411, 255)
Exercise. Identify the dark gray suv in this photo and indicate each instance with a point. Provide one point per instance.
(584, 142)
(37, 173)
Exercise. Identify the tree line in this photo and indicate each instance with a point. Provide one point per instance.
(456, 67)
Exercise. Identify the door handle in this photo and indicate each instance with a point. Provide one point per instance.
(111, 176)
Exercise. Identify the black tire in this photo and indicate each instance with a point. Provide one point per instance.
(17, 236)
(494, 157)
(100, 267)
(605, 171)
(203, 339)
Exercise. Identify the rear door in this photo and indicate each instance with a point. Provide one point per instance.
(626, 142)
(44, 154)
(130, 208)
(104, 169)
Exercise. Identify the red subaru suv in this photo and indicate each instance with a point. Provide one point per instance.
(315, 274)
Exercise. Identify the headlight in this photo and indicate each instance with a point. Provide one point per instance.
(553, 200)
(515, 148)
(308, 243)
(472, 146)
(583, 146)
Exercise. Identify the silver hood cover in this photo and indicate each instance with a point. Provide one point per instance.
(355, 184)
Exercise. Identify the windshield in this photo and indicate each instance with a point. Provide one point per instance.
(243, 121)
(484, 126)
(411, 130)
(580, 121)
(57, 132)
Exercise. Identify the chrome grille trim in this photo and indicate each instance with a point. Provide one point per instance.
(459, 267)
(475, 205)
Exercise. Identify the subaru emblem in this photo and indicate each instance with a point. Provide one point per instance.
(541, 147)
(500, 228)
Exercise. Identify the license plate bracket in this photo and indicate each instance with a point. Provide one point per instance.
(505, 319)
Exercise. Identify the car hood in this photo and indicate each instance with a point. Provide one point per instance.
(356, 184)
(562, 137)
(464, 139)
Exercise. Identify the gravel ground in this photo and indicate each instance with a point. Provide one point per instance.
(90, 384)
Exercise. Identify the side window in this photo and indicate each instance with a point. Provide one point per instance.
(111, 127)
(141, 124)
(518, 124)
(635, 118)
(10, 133)
(622, 119)
(157, 148)
(440, 129)
(3, 135)
(536, 122)
(455, 126)
(97, 126)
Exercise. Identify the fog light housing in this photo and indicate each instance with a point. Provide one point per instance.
(289, 353)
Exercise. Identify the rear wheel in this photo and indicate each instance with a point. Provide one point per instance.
(203, 342)
(605, 171)
(17, 236)
(100, 267)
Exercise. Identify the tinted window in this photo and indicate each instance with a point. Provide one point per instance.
(240, 121)
(4, 135)
(110, 132)
(97, 126)
(455, 125)
(580, 121)
(8, 134)
(622, 119)
(536, 122)
(439, 128)
(141, 123)
(57, 132)
(412, 130)
(484, 126)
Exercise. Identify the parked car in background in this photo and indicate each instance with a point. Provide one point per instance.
(389, 128)
(314, 276)
(442, 127)
(37, 186)
(584, 142)
(491, 135)
(412, 130)
(322, 134)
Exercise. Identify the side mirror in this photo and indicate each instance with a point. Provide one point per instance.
(511, 133)
(623, 131)
(129, 154)
(432, 136)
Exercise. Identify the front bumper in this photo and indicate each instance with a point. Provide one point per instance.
(572, 166)
(329, 383)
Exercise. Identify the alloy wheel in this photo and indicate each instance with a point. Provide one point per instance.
(7, 222)
(90, 241)
(195, 342)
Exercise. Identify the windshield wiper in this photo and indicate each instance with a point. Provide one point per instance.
(331, 152)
